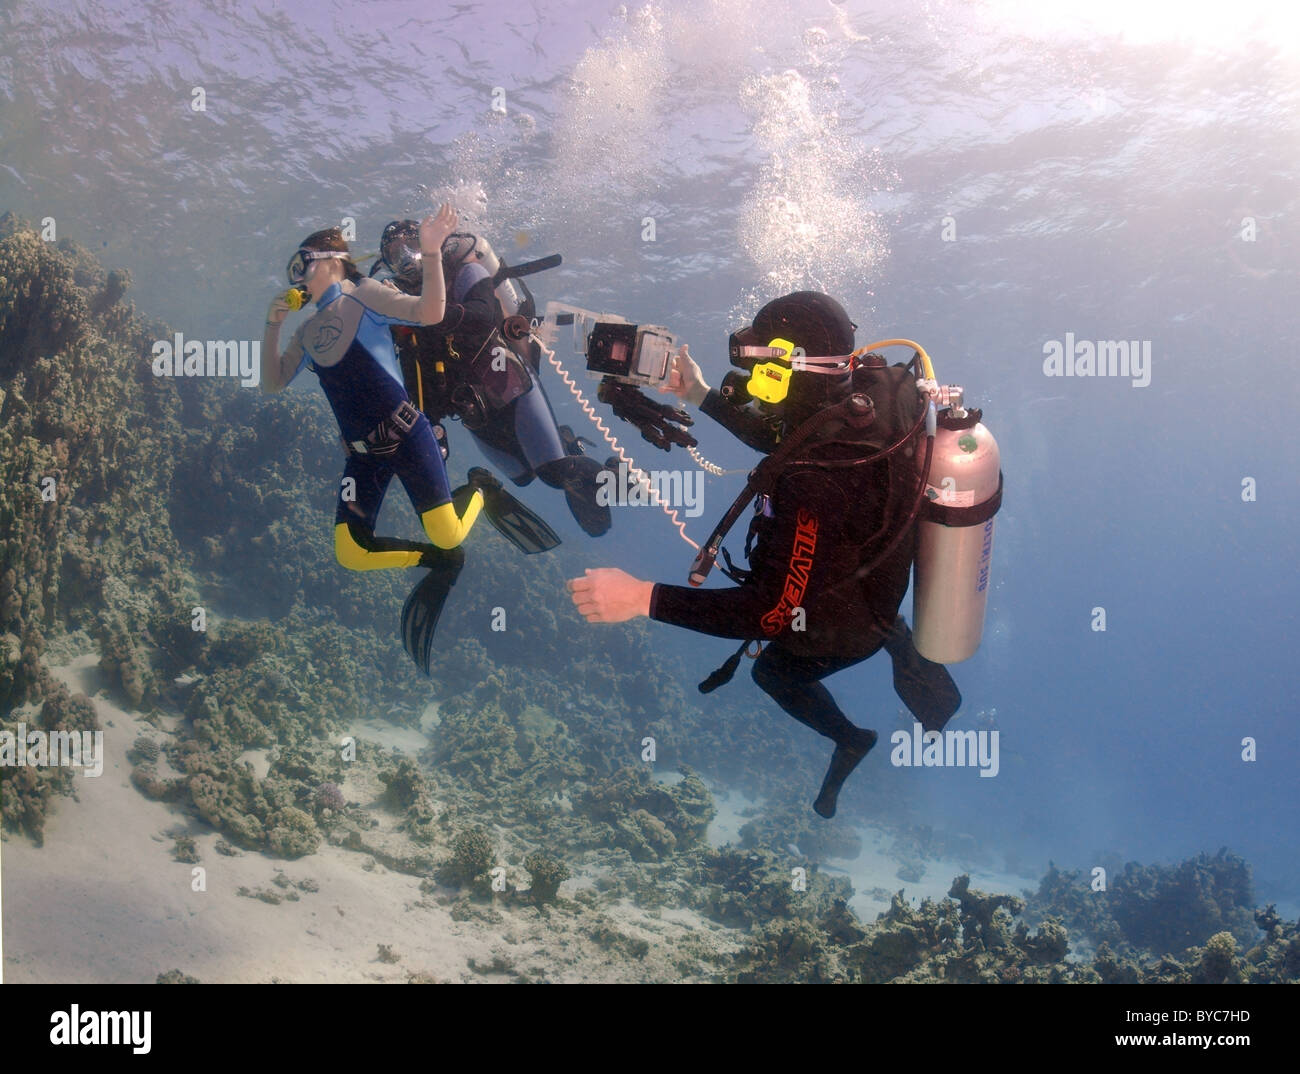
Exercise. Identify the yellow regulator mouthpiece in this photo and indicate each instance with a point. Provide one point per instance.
(295, 298)
(770, 381)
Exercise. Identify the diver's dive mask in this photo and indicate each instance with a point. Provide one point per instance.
(771, 367)
(399, 248)
(297, 267)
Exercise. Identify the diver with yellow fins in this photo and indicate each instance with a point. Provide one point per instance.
(860, 476)
(347, 343)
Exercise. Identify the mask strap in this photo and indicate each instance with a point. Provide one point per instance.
(762, 352)
(832, 363)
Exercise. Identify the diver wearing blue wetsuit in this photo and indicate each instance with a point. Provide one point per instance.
(348, 345)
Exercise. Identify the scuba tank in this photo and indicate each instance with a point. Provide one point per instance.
(487, 384)
(515, 302)
(955, 539)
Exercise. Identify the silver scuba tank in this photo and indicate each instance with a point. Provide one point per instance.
(463, 247)
(955, 539)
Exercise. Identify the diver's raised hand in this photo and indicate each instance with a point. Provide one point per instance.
(435, 229)
(609, 595)
(685, 379)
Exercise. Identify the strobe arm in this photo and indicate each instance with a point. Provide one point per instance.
(660, 424)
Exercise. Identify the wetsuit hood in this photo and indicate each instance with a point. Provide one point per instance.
(808, 319)
(819, 325)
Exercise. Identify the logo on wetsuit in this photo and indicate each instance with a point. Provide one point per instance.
(796, 578)
(327, 334)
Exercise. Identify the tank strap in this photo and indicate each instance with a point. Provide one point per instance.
(957, 517)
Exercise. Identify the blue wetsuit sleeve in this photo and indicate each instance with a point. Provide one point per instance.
(387, 305)
(295, 344)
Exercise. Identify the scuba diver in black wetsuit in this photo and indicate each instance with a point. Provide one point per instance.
(347, 344)
(486, 372)
(831, 543)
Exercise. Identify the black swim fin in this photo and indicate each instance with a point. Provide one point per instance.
(925, 687)
(515, 522)
(424, 605)
(581, 478)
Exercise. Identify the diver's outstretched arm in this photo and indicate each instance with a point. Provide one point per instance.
(609, 595)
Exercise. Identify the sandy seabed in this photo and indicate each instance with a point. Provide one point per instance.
(104, 900)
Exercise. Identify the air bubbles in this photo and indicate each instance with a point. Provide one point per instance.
(808, 221)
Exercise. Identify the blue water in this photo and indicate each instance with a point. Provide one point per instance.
(1095, 173)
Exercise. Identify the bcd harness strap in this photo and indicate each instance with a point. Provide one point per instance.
(385, 437)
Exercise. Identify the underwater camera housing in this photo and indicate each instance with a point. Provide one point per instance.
(625, 358)
(637, 354)
(630, 353)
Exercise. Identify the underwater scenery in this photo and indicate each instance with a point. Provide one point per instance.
(706, 491)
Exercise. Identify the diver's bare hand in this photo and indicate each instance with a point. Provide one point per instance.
(278, 311)
(609, 595)
(435, 229)
(685, 379)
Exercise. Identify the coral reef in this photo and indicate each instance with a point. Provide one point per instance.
(26, 790)
(1163, 908)
(405, 783)
(266, 895)
(650, 820)
(185, 849)
(1276, 958)
(1218, 963)
(473, 851)
(789, 822)
(330, 796)
(145, 751)
(176, 977)
(292, 833)
(546, 875)
(1157, 908)
(984, 918)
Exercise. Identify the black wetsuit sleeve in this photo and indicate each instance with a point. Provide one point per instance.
(749, 428)
(804, 552)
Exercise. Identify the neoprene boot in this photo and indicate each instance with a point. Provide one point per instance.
(843, 761)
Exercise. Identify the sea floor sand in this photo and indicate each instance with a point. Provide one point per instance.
(105, 901)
